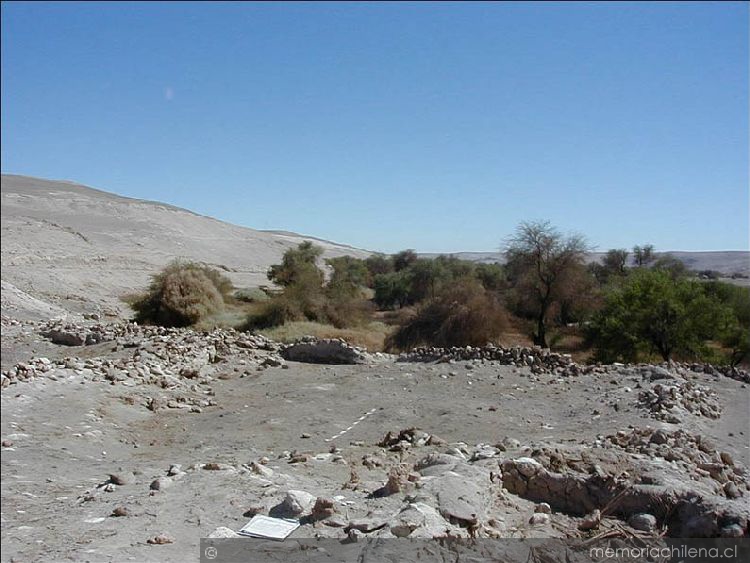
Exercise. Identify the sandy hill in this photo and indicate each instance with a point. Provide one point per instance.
(71, 246)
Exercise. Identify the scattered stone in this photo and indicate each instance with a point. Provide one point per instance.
(731, 490)
(121, 478)
(273, 361)
(324, 508)
(120, 511)
(644, 522)
(298, 457)
(371, 461)
(591, 521)
(539, 518)
(261, 469)
(161, 539)
(161, 483)
(659, 437)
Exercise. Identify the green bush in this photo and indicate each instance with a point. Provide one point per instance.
(392, 289)
(182, 294)
(736, 334)
(653, 312)
(349, 275)
(462, 314)
(303, 298)
(299, 261)
(347, 311)
(272, 313)
(492, 276)
(378, 264)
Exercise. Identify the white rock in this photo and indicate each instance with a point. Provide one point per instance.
(222, 532)
(539, 519)
(527, 466)
(261, 469)
(298, 502)
(543, 508)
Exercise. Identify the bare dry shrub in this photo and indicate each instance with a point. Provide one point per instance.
(464, 314)
(182, 294)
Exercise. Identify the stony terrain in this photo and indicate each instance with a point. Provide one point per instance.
(129, 443)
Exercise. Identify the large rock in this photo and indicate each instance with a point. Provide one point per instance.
(315, 351)
(460, 500)
(419, 520)
(66, 337)
(295, 503)
(643, 521)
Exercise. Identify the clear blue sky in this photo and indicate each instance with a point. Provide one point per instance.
(432, 126)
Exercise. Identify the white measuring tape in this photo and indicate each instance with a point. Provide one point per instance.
(345, 430)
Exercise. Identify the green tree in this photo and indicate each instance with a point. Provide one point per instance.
(736, 334)
(455, 267)
(303, 297)
(653, 312)
(404, 259)
(613, 263)
(392, 290)
(426, 276)
(643, 255)
(492, 276)
(345, 302)
(673, 266)
(616, 261)
(296, 263)
(542, 265)
(348, 275)
(378, 264)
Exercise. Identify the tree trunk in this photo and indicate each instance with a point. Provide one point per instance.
(665, 352)
(541, 331)
(541, 326)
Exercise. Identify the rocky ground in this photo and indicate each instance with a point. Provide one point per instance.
(127, 443)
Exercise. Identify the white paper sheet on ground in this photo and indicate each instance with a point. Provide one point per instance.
(270, 528)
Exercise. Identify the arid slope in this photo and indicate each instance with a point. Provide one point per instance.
(77, 247)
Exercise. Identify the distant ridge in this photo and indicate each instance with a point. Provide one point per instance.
(727, 262)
